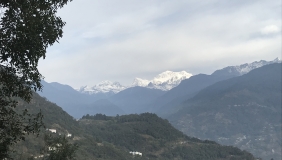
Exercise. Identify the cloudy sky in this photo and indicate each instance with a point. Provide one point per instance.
(120, 40)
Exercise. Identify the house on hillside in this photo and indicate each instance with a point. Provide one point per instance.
(52, 130)
(136, 153)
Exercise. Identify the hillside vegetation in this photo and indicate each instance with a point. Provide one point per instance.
(243, 111)
(105, 138)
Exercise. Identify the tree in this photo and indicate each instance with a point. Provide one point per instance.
(27, 28)
(58, 148)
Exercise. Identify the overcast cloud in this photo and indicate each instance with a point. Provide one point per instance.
(121, 40)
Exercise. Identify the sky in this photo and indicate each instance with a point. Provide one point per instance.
(120, 40)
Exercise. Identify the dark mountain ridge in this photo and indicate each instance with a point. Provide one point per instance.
(243, 111)
(99, 106)
(185, 90)
(135, 99)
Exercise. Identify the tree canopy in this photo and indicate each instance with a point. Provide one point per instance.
(27, 28)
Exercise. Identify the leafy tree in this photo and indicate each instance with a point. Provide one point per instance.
(27, 28)
(59, 148)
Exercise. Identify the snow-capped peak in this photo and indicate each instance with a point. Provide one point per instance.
(170, 77)
(104, 87)
(245, 68)
(140, 82)
(164, 81)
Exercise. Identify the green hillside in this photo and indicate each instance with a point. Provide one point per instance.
(244, 111)
(112, 138)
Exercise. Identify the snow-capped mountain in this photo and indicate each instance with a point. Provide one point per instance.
(140, 82)
(168, 79)
(245, 68)
(164, 81)
(103, 87)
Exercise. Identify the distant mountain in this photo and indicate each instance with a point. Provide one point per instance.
(103, 87)
(68, 98)
(164, 81)
(169, 102)
(168, 80)
(244, 68)
(77, 104)
(62, 94)
(140, 82)
(134, 99)
(244, 111)
(162, 103)
(101, 106)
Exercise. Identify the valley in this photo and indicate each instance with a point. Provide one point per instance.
(237, 106)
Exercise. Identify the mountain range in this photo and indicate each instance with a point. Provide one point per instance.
(167, 80)
(103, 87)
(74, 101)
(164, 81)
(236, 105)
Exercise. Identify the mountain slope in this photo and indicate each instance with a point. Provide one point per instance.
(169, 102)
(102, 106)
(133, 99)
(185, 90)
(243, 111)
(68, 98)
(155, 138)
(112, 138)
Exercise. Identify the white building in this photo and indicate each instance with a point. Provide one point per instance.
(68, 135)
(52, 130)
(136, 153)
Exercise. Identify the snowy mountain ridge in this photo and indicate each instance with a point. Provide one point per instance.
(169, 79)
(164, 81)
(245, 68)
(104, 87)
(140, 82)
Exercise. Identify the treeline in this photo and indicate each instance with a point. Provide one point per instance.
(155, 138)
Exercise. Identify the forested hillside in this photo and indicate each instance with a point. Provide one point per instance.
(243, 111)
(102, 137)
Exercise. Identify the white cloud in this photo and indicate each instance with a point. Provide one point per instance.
(120, 40)
(270, 29)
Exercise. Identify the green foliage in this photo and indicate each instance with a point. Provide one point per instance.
(59, 148)
(27, 28)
